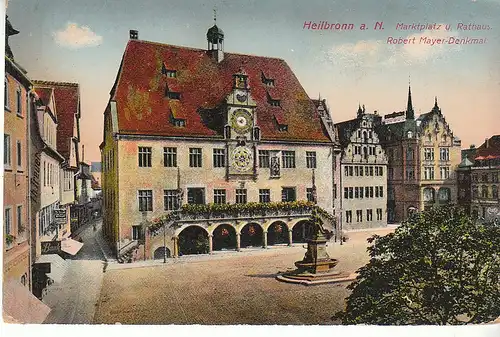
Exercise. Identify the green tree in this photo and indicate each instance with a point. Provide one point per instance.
(439, 267)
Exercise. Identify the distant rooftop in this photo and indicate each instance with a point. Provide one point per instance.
(95, 166)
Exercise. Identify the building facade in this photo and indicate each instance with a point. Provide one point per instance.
(423, 156)
(485, 175)
(16, 229)
(363, 173)
(250, 135)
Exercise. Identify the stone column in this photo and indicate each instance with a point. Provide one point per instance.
(290, 232)
(176, 246)
(238, 242)
(210, 244)
(264, 239)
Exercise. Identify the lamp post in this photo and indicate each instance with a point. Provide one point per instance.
(164, 244)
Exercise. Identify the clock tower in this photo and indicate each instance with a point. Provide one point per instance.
(241, 131)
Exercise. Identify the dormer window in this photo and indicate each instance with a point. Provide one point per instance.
(282, 128)
(268, 82)
(179, 122)
(275, 102)
(173, 95)
(171, 73)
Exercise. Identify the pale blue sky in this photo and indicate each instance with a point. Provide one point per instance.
(347, 67)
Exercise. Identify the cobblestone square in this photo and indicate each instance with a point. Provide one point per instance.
(227, 288)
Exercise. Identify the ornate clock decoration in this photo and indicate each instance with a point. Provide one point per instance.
(241, 97)
(241, 121)
(241, 159)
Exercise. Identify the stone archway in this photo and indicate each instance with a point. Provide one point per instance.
(224, 237)
(301, 231)
(159, 253)
(277, 233)
(193, 240)
(251, 235)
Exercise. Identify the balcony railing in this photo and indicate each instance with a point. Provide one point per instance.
(237, 212)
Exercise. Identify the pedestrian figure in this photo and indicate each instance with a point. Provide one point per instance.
(94, 226)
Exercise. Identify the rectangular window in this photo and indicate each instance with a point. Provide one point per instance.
(171, 73)
(288, 159)
(376, 192)
(367, 171)
(173, 95)
(170, 156)
(19, 155)
(351, 171)
(410, 173)
(429, 173)
(144, 156)
(379, 213)
(351, 193)
(346, 171)
(220, 196)
(445, 172)
(356, 170)
(136, 232)
(219, 158)
(288, 194)
(367, 192)
(196, 196)
(263, 158)
(18, 102)
(6, 150)
(310, 195)
(361, 190)
(369, 215)
(371, 171)
(371, 191)
(170, 200)
(8, 220)
(361, 171)
(444, 154)
(381, 191)
(359, 215)
(311, 159)
(241, 196)
(409, 154)
(20, 224)
(145, 200)
(195, 157)
(356, 192)
(429, 153)
(346, 193)
(334, 191)
(264, 195)
(348, 216)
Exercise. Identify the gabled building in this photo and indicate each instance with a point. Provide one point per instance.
(363, 173)
(485, 176)
(203, 126)
(423, 155)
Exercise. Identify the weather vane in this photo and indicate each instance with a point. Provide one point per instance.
(215, 14)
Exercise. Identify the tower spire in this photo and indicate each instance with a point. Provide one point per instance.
(215, 15)
(410, 114)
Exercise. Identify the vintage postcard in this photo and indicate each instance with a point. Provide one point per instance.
(215, 162)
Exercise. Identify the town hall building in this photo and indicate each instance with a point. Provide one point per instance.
(231, 139)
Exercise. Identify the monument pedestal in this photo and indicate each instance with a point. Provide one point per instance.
(316, 267)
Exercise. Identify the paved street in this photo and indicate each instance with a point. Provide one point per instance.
(73, 301)
(233, 288)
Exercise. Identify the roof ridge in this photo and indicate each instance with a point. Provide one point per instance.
(55, 83)
(202, 50)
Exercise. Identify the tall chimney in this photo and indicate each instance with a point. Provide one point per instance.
(83, 153)
(487, 142)
(134, 34)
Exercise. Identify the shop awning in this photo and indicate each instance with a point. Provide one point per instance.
(71, 246)
(21, 306)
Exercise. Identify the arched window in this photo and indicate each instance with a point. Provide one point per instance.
(429, 137)
(484, 191)
(494, 191)
(475, 192)
(364, 136)
(410, 134)
(429, 194)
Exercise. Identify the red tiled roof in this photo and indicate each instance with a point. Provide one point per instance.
(204, 84)
(67, 97)
(44, 94)
(493, 148)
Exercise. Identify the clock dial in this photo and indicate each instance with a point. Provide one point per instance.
(241, 159)
(241, 121)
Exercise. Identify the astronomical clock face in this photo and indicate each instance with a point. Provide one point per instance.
(241, 121)
(241, 159)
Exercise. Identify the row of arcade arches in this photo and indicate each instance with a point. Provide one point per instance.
(194, 239)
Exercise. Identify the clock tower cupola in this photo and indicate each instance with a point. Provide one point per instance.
(215, 39)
